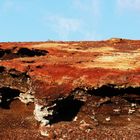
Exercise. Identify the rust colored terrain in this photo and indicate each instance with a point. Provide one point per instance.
(70, 90)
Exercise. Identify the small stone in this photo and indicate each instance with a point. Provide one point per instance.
(75, 118)
(84, 125)
(130, 111)
(133, 105)
(128, 119)
(44, 133)
(107, 119)
(117, 110)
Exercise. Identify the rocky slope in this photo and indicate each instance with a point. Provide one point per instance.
(70, 90)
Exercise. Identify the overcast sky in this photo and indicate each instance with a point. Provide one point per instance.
(42, 20)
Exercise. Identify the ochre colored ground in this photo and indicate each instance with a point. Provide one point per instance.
(56, 70)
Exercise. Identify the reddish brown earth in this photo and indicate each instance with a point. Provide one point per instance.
(95, 86)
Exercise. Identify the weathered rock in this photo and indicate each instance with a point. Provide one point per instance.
(89, 81)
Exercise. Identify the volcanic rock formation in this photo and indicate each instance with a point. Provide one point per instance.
(70, 90)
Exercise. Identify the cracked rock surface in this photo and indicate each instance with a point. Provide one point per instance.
(70, 90)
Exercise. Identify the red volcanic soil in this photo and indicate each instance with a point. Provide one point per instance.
(75, 90)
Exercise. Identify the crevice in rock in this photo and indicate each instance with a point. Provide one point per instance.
(25, 52)
(4, 52)
(14, 84)
(61, 110)
(2, 69)
(66, 109)
(7, 54)
(109, 91)
(7, 95)
(14, 79)
(113, 90)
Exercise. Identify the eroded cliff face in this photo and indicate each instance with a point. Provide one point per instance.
(70, 90)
